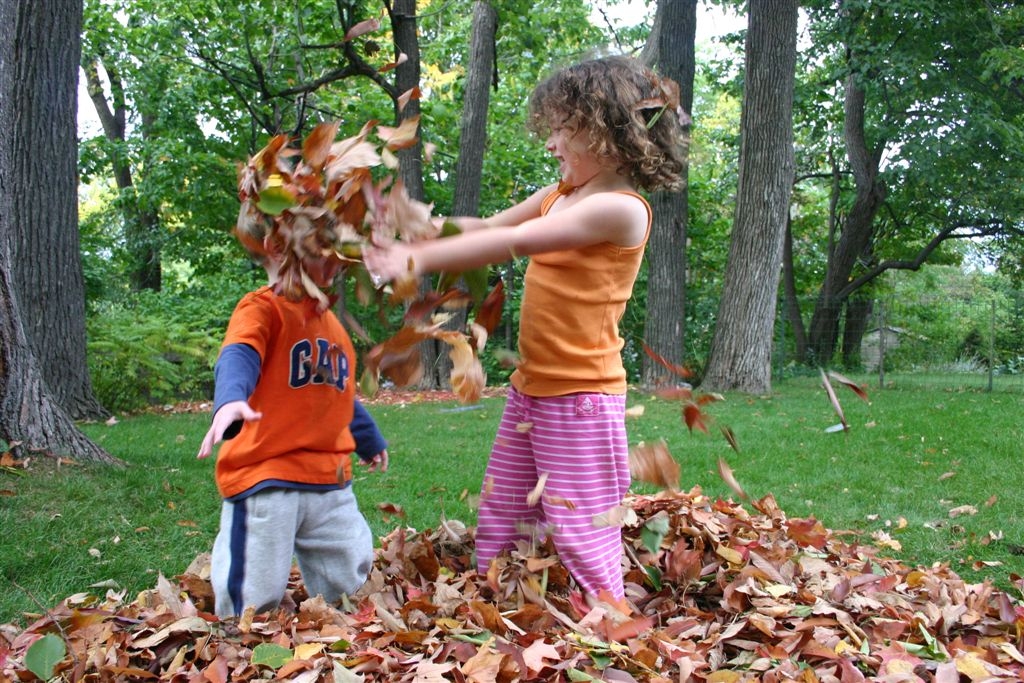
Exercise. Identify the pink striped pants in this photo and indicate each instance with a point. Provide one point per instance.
(579, 442)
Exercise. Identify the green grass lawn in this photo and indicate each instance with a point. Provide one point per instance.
(910, 458)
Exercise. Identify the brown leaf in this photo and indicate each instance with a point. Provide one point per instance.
(725, 472)
(483, 667)
(362, 28)
(694, 417)
(832, 399)
(851, 385)
(653, 464)
(533, 497)
(489, 313)
(674, 368)
(317, 144)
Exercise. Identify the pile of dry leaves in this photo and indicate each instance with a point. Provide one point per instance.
(726, 594)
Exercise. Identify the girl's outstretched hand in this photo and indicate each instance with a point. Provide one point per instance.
(229, 414)
(388, 262)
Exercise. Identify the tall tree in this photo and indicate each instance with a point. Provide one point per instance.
(38, 91)
(670, 49)
(142, 229)
(39, 200)
(481, 73)
(741, 348)
(933, 130)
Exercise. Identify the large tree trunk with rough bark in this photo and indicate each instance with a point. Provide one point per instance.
(38, 67)
(741, 349)
(31, 421)
(671, 51)
(39, 198)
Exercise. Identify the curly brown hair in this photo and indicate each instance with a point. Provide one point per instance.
(628, 112)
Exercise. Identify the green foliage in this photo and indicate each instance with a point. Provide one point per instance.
(948, 318)
(153, 348)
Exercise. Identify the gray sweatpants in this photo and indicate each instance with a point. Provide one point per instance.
(259, 535)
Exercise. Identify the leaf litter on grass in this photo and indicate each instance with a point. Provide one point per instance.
(715, 592)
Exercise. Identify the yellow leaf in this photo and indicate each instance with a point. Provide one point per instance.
(308, 650)
(972, 666)
(728, 554)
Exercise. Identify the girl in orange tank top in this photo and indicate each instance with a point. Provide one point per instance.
(615, 127)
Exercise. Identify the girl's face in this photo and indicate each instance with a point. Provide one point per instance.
(576, 163)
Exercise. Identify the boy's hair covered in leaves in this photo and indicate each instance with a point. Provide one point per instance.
(322, 201)
(629, 113)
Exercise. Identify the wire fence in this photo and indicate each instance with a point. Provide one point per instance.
(936, 341)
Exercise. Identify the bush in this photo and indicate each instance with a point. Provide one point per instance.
(138, 359)
(154, 348)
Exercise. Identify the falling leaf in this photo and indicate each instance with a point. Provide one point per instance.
(617, 516)
(635, 411)
(391, 509)
(490, 311)
(674, 368)
(694, 417)
(654, 530)
(533, 497)
(725, 472)
(362, 28)
(850, 384)
(731, 438)
(834, 401)
(317, 144)
(653, 464)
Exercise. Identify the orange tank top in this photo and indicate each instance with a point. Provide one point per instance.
(569, 319)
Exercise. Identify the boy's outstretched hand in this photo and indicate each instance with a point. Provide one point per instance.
(377, 463)
(228, 415)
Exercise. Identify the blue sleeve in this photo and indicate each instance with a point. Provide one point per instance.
(369, 440)
(234, 379)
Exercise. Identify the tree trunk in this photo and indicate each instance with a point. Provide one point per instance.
(480, 74)
(741, 348)
(39, 201)
(141, 226)
(858, 313)
(38, 213)
(792, 303)
(475, 103)
(855, 239)
(671, 50)
(407, 76)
